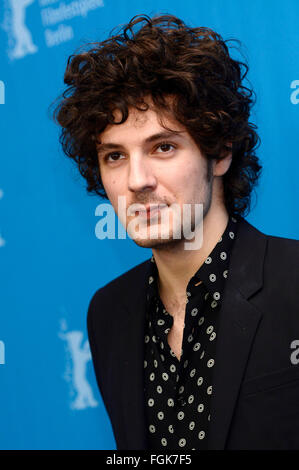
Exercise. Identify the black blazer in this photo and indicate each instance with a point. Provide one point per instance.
(255, 401)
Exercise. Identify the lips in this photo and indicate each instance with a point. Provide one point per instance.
(145, 209)
(152, 208)
(151, 212)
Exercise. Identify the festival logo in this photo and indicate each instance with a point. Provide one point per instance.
(19, 36)
(78, 355)
(56, 18)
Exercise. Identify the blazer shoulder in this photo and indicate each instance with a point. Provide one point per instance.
(282, 264)
(119, 285)
(287, 243)
(285, 250)
(280, 247)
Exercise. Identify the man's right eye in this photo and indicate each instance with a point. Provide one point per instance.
(113, 155)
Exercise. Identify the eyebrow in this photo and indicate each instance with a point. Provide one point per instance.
(152, 138)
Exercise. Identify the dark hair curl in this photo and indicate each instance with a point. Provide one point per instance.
(161, 57)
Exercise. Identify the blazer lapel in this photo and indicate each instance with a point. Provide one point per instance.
(237, 328)
(239, 320)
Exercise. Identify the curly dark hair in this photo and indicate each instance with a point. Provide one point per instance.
(160, 57)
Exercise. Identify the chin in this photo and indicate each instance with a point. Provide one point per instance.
(156, 243)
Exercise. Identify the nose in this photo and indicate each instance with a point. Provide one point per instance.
(141, 176)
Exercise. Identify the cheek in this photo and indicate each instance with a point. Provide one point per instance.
(109, 186)
(174, 180)
(187, 177)
(114, 189)
(192, 183)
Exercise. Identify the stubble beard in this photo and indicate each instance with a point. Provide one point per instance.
(171, 243)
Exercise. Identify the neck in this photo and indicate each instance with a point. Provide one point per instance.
(177, 266)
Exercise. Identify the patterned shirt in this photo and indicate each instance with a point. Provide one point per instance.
(178, 392)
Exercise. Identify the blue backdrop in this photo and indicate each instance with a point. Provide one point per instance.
(50, 259)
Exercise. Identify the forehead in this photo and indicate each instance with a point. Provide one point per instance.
(139, 125)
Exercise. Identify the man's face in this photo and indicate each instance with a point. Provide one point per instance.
(149, 165)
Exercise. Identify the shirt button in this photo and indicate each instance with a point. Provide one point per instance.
(181, 400)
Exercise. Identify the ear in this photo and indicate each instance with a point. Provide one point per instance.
(222, 166)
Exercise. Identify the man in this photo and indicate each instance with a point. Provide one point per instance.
(193, 348)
